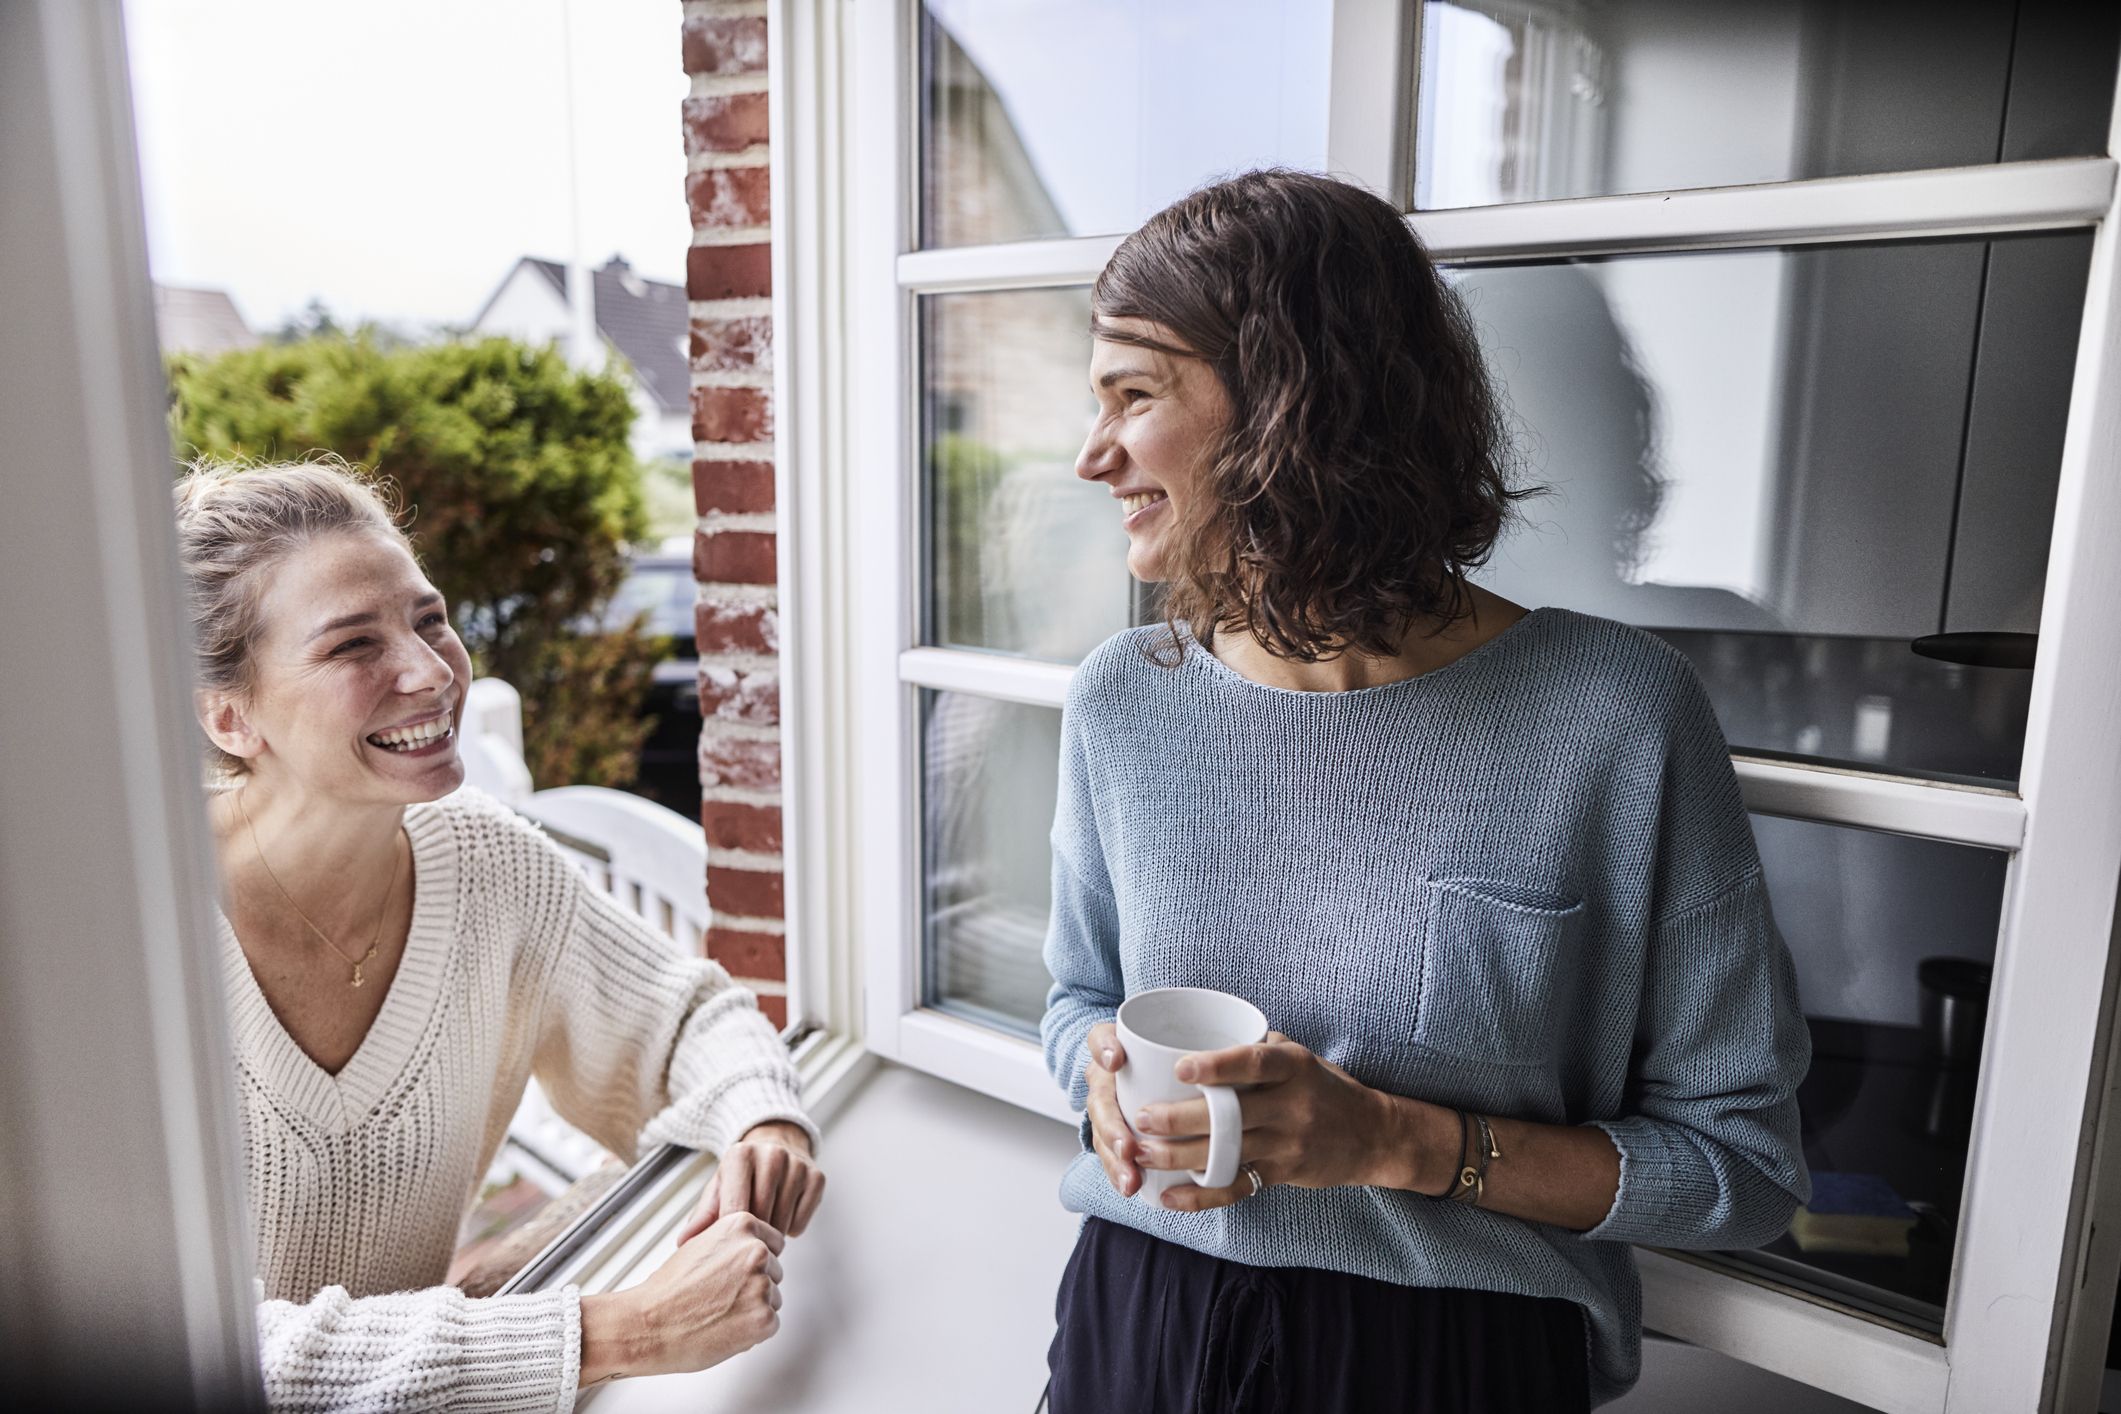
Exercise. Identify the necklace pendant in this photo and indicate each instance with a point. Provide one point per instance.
(357, 974)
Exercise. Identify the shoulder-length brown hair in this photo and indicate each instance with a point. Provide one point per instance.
(1364, 468)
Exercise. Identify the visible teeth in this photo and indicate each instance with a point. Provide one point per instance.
(1135, 503)
(414, 736)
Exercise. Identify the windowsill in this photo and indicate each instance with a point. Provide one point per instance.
(926, 1281)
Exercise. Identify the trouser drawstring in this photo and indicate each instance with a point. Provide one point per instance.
(1241, 1366)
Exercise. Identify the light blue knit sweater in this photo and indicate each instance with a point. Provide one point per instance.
(1523, 884)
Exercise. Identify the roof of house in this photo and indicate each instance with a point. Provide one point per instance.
(199, 321)
(645, 320)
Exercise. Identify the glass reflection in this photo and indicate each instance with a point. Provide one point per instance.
(1528, 100)
(1793, 463)
(1084, 117)
(1893, 939)
(989, 772)
(1022, 556)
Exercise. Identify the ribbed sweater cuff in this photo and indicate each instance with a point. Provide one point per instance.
(570, 1346)
(1661, 1178)
(423, 1350)
(740, 1101)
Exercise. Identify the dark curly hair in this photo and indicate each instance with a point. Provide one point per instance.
(1365, 466)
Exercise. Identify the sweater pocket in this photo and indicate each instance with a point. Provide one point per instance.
(1495, 962)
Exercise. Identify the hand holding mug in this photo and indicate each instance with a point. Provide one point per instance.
(1109, 1135)
(1131, 1065)
(1307, 1123)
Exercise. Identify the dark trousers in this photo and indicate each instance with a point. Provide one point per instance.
(1149, 1326)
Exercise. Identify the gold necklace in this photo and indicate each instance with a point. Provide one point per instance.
(388, 894)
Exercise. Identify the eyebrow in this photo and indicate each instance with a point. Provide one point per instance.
(1120, 374)
(425, 601)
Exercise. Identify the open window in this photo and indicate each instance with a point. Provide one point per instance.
(1805, 311)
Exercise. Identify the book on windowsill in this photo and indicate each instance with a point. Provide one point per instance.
(1856, 1213)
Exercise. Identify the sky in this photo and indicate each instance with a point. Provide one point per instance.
(394, 158)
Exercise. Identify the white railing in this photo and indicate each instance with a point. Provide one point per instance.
(653, 861)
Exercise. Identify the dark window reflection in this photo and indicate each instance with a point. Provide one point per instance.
(1795, 463)
(1892, 938)
(1868, 703)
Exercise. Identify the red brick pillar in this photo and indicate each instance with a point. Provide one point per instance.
(729, 279)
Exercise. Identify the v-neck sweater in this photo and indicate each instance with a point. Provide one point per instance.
(1522, 884)
(514, 966)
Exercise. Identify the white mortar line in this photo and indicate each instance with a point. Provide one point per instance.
(740, 795)
(724, 9)
(774, 926)
(722, 85)
(732, 451)
(747, 596)
(714, 522)
(712, 235)
(744, 859)
(752, 305)
(737, 731)
(730, 378)
(742, 664)
(752, 156)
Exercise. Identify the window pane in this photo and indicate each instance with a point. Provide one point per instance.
(1083, 117)
(1023, 557)
(988, 783)
(1883, 930)
(1526, 100)
(1793, 463)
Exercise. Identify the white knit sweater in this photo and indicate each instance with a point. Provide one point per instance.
(514, 966)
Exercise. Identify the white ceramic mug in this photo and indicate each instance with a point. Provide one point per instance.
(1156, 1029)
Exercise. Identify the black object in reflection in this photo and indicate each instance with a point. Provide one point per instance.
(1980, 650)
(1954, 1018)
(1954, 1008)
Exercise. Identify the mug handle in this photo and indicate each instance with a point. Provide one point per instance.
(1226, 1132)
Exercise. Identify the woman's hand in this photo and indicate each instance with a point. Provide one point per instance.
(716, 1297)
(1308, 1123)
(1109, 1134)
(769, 1172)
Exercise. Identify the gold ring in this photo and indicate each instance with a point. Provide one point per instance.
(1258, 1183)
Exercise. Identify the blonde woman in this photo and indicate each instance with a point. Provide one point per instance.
(401, 957)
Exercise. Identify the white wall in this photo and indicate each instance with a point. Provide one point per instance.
(526, 307)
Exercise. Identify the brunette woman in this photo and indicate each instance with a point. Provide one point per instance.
(1486, 871)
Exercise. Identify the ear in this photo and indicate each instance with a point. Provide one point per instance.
(226, 721)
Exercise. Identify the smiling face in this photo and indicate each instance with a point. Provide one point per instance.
(1160, 418)
(357, 678)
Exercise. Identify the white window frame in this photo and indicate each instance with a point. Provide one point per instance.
(2033, 1280)
(121, 1209)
